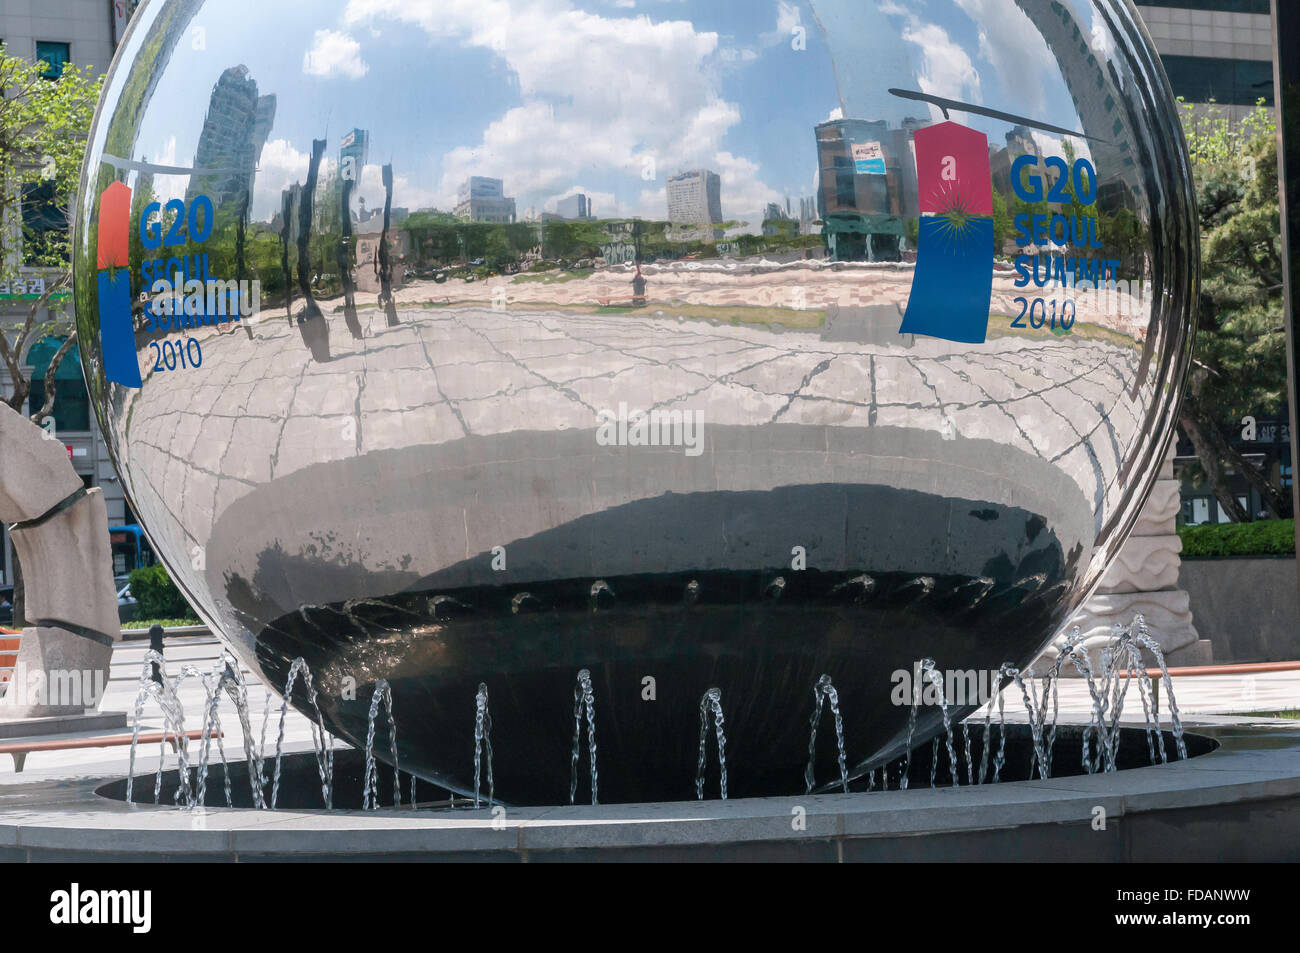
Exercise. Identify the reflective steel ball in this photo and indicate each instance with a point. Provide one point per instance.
(483, 343)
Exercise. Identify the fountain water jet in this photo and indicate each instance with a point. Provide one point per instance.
(370, 783)
(824, 691)
(483, 744)
(322, 740)
(583, 700)
(711, 703)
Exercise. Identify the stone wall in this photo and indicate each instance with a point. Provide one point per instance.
(1247, 607)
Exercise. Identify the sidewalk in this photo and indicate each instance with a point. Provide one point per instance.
(124, 680)
(1196, 695)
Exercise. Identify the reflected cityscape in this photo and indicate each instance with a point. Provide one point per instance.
(927, 291)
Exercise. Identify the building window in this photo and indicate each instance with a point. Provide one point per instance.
(1202, 79)
(1196, 511)
(71, 402)
(1219, 6)
(1223, 514)
(55, 56)
(45, 225)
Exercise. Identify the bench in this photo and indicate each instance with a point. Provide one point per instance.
(20, 749)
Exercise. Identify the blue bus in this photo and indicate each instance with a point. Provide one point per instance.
(130, 549)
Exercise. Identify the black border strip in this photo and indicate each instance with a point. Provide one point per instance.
(78, 630)
(65, 504)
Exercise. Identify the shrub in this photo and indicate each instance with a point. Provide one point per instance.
(1264, 538)
(158, 596)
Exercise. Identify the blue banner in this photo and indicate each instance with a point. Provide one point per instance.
(116, 331)
(953, 283)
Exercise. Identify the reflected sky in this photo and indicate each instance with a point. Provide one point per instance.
(544, 93)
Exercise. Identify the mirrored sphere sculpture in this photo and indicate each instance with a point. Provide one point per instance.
(717, 345)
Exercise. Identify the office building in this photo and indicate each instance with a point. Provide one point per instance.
(482, 199)
(235, 130)
(1095, 87)
(694, 200)
(1218, 51)
(575, 208)
(866, 187)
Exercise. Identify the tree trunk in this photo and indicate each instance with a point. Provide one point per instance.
(1277, 503)
(1213, 451)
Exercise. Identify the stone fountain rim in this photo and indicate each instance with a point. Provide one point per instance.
(71, 818)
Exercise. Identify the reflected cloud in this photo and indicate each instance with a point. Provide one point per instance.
(579, 111)
(334, 54)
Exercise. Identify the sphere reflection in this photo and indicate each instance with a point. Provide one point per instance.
(455, 343)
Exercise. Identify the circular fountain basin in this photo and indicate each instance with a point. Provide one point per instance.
(300, 786)
(1239, 800)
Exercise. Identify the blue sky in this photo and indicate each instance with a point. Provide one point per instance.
(608, 97)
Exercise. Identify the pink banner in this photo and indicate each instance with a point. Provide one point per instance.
(952, 170)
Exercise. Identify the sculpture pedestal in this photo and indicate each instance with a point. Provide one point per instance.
(1144, 580)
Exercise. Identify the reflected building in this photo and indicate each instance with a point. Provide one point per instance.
(808, 216)
(1020, 142)
(482, 199)
(866, 187)
(575, 208)
(1095, 88)
(234, 132)
(695, 199)
(777, 221)
(354, 149)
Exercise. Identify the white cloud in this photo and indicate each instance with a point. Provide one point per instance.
(946, 69)
(747, 196)
(600, 96)
(279, 166)
(788, 18)
(406, 194)
(334, 54)
(1050, 145)
(1103, 44)
(1015, 49)
(167, 187)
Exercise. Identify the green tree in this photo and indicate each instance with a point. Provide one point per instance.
(1240, 360)
(43, 127)
(1002, 225)
(157, 595)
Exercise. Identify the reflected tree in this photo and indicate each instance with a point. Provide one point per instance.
(306, 209)
(286, 231)
(345, 256)
(384, 258)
